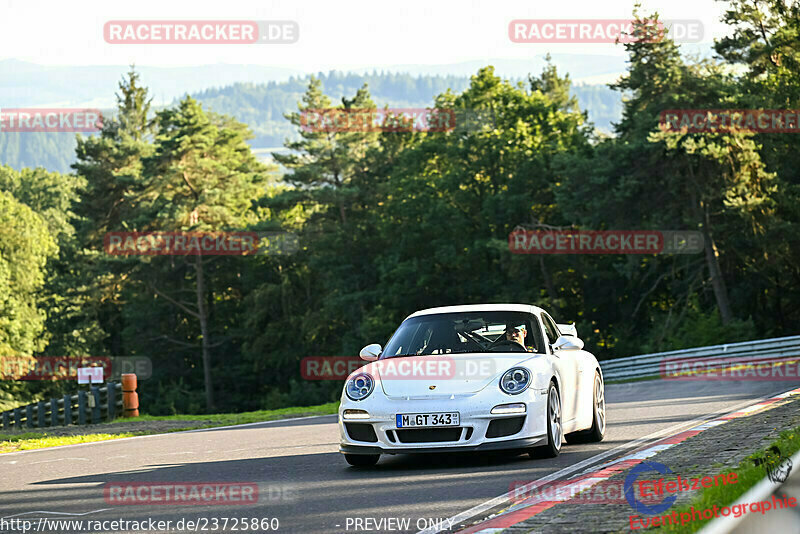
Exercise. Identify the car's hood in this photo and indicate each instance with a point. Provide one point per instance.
(449, 374)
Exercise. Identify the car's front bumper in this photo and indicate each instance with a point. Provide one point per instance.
(378, 434)
(505, 444)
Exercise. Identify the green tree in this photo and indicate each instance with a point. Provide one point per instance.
(52, 195)
(325, 160)
(450, 199)
(764, 45)
(111, 166)
(25, 247)
(202, 177)
(650, 179)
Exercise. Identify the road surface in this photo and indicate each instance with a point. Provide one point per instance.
(305, 483)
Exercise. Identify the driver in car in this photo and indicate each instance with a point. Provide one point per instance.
(517, 334)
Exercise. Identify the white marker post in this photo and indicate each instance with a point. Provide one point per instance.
(91, 376)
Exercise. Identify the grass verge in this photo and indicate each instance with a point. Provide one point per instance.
(249, 417)
(41, 440)
(749, 474)
(36, 440)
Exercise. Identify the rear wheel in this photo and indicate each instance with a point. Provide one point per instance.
(362, 460)
(554, 428)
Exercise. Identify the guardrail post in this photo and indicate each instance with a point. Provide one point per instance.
(130, 399)
(96, 414)
(81, 407)
(111, 401)
(6, 421)
(53, 412)
(67, 410)
(40, 420)
(17, 418)
(29, 416)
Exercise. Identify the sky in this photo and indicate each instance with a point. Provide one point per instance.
(341, 34)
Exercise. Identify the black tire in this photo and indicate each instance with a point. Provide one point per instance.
(362, 460)
(598, 430)
(555, 434)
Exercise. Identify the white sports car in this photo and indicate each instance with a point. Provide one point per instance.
(473, 378)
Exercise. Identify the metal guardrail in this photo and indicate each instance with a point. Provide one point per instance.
(775, 349)
(87, 407)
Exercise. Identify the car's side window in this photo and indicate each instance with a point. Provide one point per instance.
(535, 336)
(553, 326)
(550, 328)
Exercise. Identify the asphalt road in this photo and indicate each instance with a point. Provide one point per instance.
(305, 483)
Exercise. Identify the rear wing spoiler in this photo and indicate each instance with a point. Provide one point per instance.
(568, 329)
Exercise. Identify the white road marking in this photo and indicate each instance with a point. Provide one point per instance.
(58, 460)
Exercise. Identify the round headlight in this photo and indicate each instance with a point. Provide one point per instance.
(359, 387)
(515, 380)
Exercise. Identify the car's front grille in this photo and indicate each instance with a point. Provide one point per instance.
(361, 432)
(507, 426)
(428, 435)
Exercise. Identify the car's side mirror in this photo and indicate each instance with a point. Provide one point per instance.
(370, 353)
(568, 343)
(568, 329)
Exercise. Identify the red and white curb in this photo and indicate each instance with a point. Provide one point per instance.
(535, 505)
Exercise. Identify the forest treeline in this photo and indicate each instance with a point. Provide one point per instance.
(392, 222)
(261, 106)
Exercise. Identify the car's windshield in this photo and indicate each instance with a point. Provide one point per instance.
(466, 332)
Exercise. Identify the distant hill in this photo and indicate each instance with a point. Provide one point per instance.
(24, 84)
(259, 105)
(262, 106)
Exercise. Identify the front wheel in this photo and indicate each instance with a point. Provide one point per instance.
(554, 428)
(362, 460)
(598, 430)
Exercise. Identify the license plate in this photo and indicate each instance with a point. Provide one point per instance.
(408, 420)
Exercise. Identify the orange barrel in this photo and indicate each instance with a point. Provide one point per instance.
(130, 399)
